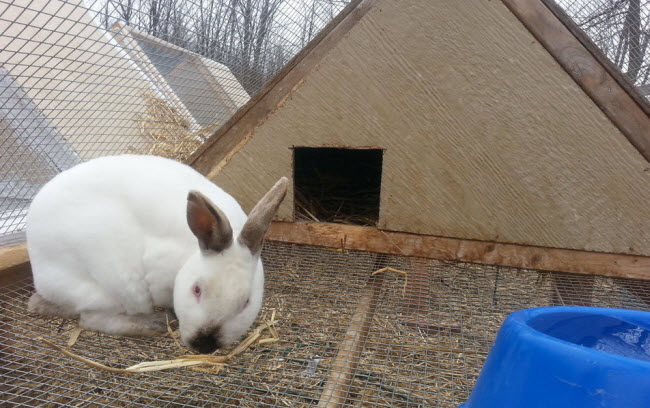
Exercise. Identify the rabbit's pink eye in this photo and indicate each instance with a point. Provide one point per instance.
(197, 291)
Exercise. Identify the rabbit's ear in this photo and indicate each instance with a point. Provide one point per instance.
(208, 223)
(259, 220)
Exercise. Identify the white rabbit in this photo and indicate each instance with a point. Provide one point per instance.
(111, 238)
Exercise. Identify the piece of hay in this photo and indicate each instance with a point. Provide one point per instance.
(168, 130)
(389, 269)
(172, 333)
(217, 362)
(74, 335)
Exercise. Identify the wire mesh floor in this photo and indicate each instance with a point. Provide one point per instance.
(425, 345)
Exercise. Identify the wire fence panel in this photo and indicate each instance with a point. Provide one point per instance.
(81, 79)
(425, 342)
(85, 79)
(621, 29)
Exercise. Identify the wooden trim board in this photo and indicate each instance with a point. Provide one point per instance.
(342, 237)
(13, 255)
(595, 51)
(230, 137)
(591, 70)
(14, 263)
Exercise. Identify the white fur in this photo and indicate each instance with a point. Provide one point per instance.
(110, 236)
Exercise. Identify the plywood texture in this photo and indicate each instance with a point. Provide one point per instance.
(226, 140)
(486, 136)
(589, 67)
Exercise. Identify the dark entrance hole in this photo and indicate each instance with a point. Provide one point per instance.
(337, 185)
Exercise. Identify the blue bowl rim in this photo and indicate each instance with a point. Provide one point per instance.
(521, 317)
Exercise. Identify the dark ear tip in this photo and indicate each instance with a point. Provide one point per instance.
(193, 195)
(283, 183)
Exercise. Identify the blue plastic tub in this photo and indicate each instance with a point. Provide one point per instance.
(567, 357)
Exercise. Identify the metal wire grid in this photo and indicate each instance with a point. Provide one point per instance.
(621, 29)
(425, 346)
(74, 85)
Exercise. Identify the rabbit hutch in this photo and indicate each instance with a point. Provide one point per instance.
(449, 163)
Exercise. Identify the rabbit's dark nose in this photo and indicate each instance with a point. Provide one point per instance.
(205, 343)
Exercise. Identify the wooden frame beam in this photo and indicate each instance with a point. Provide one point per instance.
(587, 65)
(14, 263)
(13, 255)
(346, 237)
(235, 133)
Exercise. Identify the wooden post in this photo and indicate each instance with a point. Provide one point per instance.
(461, 250)
(336, 389)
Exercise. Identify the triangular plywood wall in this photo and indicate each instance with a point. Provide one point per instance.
(486, 135)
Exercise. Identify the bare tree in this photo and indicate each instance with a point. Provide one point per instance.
(104, 16)
(245, 35)
(178, 32)
(153, 13)
(621, 28)
(126, 10)
(633, 31)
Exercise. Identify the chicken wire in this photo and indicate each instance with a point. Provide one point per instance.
(425, 344)
(81, 79)
(621, 29)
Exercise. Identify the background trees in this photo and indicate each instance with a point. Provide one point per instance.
(254, 38)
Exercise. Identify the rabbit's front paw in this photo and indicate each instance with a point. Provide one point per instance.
(155, 324)
(150, 324)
